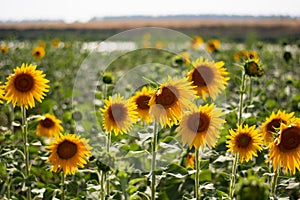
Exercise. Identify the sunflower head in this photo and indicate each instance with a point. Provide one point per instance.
(252, 55)
(38, 52)
(55, 42)
(240, 55)
(196, 42)
(208, 77)
(272, 124)
(67, 153)
(26, 85)
(213, 45)
(253, 68)
(169, 100)
(49, 126)
(181, 59)
(287, 56)
(245, 141)
(4, 48)
(141, 100)
(119, 114)
(200, 126)
(285, 150)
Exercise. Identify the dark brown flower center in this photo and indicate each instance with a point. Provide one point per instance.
(47, 123)
(66, 149)
(243, 140)
(142, 102)
(37, 53)
(202, 76)
(167, 97)
(290, 139)
(274, 124)
(24, 82)
(198, 123)
(117, 112)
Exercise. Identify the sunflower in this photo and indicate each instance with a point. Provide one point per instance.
(4, 48)
(253, 68)
(272, 124)
(200, 126)
(141, 99)
(190, 161)
(196, 42)
(252, 55)
(25, 85)
(119, 114)
(285, 150)
(55, 42)
(68, 152)
(245, 141)
(208, 77)
(49, 126)
(1, 93)
(240, 55)
(213, 46)
(169, 100)
(38, 52)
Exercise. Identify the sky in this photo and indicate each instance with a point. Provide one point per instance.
(84, 10)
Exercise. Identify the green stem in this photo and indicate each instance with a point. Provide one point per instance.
(107, 173)
(8, 187)
(250, 90)
(274, 184)
(62, 186)
(102, 193)
(241, 105)
(26, 152)
(233, 176)
(153, 162)
(197, 189)
(11, 117)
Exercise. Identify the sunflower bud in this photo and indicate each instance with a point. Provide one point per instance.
(107, 78)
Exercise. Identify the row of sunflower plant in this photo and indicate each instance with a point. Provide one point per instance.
(185, 104)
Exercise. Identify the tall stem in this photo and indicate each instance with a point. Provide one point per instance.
(153, 162)
(107, 173)
(274, 184)
(233, 176)
(241, 105)
(62, 187)
(236, 156)
(250, 90)
(197, 189)
(26, 152)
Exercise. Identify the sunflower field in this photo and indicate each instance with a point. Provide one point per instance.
(149, 113)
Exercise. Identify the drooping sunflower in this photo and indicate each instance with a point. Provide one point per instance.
(119, 114)
(38, 52)
(285, 150)
(272, 124)
(213, 45)
(208, 77)
(196, 42)
(253, 68)
(68, 152)
(4, 48)
(49, 126)
(141, 99)
(200, 126)
(26, 85)
(1, 93)
(169, 100)
(245, 141)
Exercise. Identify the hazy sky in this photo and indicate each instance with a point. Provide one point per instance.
(83, 10)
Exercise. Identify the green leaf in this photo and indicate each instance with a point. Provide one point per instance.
(205, 175)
